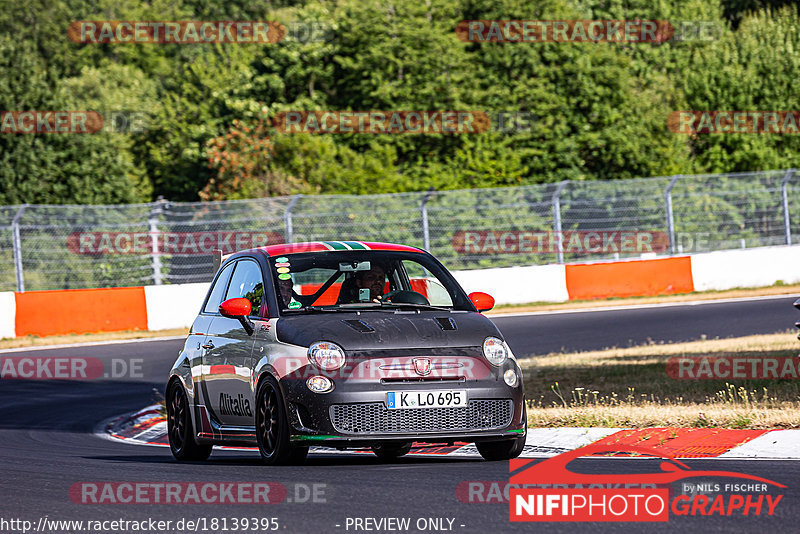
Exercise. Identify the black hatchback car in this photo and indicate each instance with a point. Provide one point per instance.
(343, 344)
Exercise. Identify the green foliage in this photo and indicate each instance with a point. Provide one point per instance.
(750, 69)
(599, 109)
(326, 166)
(56, 168)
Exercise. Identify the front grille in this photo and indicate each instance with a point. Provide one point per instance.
(375, 418)
(425, 379)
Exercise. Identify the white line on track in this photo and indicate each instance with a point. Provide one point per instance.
(92, 344)
(490, 316)
(645, 306)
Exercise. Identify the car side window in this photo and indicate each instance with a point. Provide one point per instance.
(246, 282)
(221, 284)
(424, 283)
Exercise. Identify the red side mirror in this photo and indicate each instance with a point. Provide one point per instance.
(482, 301)
(235, 308)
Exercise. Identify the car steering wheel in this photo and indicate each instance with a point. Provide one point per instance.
(388, 296)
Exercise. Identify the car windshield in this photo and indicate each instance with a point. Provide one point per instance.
(364, 279)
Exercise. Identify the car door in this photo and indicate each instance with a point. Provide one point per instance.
(199, 340)
(228, 357)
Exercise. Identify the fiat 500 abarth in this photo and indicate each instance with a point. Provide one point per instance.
(344, 345)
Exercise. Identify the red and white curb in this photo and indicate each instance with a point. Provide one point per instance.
(148, 426)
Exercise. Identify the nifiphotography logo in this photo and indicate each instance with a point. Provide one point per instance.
(582, 497)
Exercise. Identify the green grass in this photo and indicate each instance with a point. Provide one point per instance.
(630, 388)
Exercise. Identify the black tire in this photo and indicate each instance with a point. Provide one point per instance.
(272, 427)
(506, 449)
(389, 452)
(298, 455)
(179, 427)
(501, 450)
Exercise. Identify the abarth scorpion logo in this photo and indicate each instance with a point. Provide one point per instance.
(422, 366)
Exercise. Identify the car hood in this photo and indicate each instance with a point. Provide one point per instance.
(382, 330)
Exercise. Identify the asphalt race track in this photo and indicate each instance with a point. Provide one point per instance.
(591, 330)
(48, 443)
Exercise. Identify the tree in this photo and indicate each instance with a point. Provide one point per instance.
(750, 69)
(55, 168)
(241, 158)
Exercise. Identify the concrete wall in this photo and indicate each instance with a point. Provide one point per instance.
(518, 285)
(8, 313)
(175, 306)
(751, 267)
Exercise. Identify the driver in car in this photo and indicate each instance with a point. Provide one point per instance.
(374, 280)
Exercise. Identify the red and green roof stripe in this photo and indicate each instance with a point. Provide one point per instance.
(327, 246)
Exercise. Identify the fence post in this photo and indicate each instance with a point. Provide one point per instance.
(155, 257)
(556, 200)
(287, 217)
(17, 247)
(670, 217)
(787, 227)
(423, 211)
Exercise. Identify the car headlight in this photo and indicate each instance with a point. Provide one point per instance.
(495, 350)
(319, 384)
(326, 355)
(510, 377)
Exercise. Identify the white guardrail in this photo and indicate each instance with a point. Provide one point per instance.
(176, 305)
(728, 269)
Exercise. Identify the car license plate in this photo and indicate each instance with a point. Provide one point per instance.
(396, 400)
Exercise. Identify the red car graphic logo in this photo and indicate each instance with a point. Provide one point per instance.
(554, 470)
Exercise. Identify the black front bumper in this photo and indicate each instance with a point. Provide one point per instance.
(354, 413)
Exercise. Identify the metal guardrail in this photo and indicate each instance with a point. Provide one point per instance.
(83, 246)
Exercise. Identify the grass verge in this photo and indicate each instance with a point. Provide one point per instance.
(630, 388)
(36, 341)
(777, 289)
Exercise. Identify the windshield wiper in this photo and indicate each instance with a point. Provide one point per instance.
(364, 306)
(312, 309)
(413, 305)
